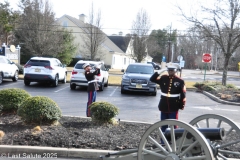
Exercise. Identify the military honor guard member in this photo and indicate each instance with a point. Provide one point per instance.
(92, 85)
(173, 93)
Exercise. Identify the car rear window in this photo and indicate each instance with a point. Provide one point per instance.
(79, 65)
(38, 63)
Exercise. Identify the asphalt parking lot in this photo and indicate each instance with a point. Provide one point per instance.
(132, 106)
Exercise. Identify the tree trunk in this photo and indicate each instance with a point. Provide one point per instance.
(225, 69)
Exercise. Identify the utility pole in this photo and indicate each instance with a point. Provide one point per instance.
(169, 44)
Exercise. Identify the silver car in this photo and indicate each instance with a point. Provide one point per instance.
(136, 78)
(78, 77)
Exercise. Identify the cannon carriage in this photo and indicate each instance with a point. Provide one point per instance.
(206, 137)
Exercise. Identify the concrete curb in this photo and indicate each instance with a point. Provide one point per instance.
(13, 151)
(218, 99)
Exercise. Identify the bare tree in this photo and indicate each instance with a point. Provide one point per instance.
(221, 24)
(37, 29)
(140, 29)
(8, 20)
(93, 36)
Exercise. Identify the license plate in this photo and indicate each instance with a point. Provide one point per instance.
(138, 85)
(37, 70)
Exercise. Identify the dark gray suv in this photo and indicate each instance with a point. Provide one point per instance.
(136, 78)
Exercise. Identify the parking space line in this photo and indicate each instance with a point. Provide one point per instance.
(113, 91)
(61, 89)
(231, 110)
(9, 84)
(207, 108)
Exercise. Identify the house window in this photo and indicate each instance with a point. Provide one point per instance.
(65, 24)
(124, 61)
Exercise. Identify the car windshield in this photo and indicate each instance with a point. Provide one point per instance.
(140, 69)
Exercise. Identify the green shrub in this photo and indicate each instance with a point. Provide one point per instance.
(39, 109)
(11, 99)
(103, 112)
(231, 86)
(208, 88)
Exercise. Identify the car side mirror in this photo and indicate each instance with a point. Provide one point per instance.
(122, 70)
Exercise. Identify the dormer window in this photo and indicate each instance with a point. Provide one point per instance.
(65, 24)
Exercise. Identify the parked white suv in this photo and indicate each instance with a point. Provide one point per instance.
(8, 69)
(78, 77)
(42, 69)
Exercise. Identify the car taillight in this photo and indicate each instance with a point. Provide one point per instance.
(74, 72)
(27, 65)
(49, 67)
(99, 74)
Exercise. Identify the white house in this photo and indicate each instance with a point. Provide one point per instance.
(116, 49)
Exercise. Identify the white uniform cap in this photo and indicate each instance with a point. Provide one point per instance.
(85, 65)
(173, 66)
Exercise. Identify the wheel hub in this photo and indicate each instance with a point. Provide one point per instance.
(172, 156)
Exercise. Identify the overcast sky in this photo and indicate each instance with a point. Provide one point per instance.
(118, 15)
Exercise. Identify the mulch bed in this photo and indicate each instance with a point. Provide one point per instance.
(75, 132)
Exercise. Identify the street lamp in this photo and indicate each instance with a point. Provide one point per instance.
(18, 48)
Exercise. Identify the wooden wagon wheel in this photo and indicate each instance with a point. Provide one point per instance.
(231, 137)
(175, 149)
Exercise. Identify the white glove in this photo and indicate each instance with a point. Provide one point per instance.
(162, 70)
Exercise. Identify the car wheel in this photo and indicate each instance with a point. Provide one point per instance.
(27, 83)
(15, 78)
(105, 85)
(1, 78)
(157, 68)
(55, 82)
(64, 79)
(154, 93)
(73, 86)
(123, 91)
(101, 88)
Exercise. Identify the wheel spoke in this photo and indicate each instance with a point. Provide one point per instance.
(229, 152)
(158, 145)
(229, 131)
(219, 123)
(198, 126)
(188, 148)
(182, 140)
(223, 157)
(173, 140)
(228, 144)
(164, 140)
(154, 153)
(194, 158)
(207, 122)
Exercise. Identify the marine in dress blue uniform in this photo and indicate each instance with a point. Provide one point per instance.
(173, 93)
(92, 85)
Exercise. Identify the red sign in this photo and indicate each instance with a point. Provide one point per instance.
(207, 57)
